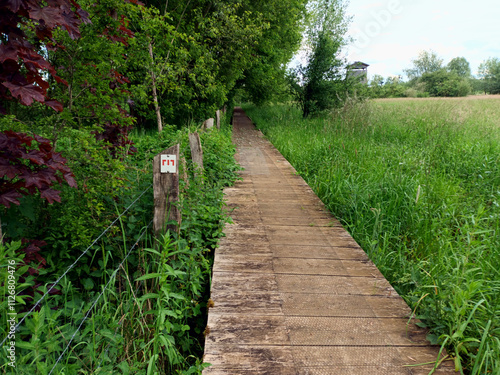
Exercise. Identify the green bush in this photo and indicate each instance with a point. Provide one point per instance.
(150, 317)
(444, 83)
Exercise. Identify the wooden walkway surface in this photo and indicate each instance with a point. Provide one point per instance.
(293, 293)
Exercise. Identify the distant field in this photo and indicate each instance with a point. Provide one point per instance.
(470, 97)
(417, 184)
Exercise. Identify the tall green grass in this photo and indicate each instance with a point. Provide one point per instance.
(417, 184)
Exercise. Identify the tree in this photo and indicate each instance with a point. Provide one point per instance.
(375, 86)
(460, 66)
(429, 77)
(199, 50)
(394, 87)
(489, 74)
(377, 80)
(265, 78)
(427, 62)
(320, 84)
(23, 68)
(29, 164)
(445, 83)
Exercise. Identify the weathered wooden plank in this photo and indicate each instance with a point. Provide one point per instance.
(217, 118)
(196, 153)
(293, 293)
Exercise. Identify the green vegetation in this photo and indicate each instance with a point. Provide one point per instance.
(151, 315)
(428, 77)
(489, 72)
(417, 184)
(322, 82)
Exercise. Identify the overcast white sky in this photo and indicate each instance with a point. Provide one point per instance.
(390, 33)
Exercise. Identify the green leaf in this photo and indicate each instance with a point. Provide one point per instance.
(167, 340)
(149, 276)
(148, 296)
(88, 283)
(151, 365)
(434, 339)
(24, 345)
(124, 367)
(170, 313)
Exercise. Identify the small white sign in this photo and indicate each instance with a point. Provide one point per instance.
(168, 164)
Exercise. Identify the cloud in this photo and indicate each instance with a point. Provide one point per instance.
(448, 27)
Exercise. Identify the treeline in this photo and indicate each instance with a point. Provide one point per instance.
(429, 77)
(76, 77)
(123, 60)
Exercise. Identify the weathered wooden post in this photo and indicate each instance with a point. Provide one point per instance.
(208, 124)
(196, 152)
(217, 119)
(166, 190)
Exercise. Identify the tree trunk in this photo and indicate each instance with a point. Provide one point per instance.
(155, 95)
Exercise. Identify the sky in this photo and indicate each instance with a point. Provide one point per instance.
(389, 34)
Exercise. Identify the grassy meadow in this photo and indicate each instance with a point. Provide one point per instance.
(417, 184)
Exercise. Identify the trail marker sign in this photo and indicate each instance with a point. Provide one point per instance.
(168, 164)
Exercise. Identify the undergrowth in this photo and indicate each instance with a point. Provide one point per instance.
(133, 305)
(417, 184)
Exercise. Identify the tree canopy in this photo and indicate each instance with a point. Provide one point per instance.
(320, 84)
(460, 66)
(426, 62)
(80, 72)
(489, 73)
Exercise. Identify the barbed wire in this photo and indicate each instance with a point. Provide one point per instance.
(99, 296)
(75, 262)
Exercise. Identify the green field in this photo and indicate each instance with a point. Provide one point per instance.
(417, 184)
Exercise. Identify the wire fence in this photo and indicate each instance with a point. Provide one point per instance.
(100, 295)
(69, 268)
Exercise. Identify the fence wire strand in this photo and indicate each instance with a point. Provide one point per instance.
(76, 261)
(100, 295)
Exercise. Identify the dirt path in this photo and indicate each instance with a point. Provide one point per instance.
(293, 293)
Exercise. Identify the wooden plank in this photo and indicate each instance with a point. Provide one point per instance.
(293, 293)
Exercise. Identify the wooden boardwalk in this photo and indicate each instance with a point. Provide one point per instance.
(293, 293)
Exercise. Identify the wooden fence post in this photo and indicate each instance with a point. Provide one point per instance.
(208, 124)
(196, 152)
(217, 119)
(166, 190)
